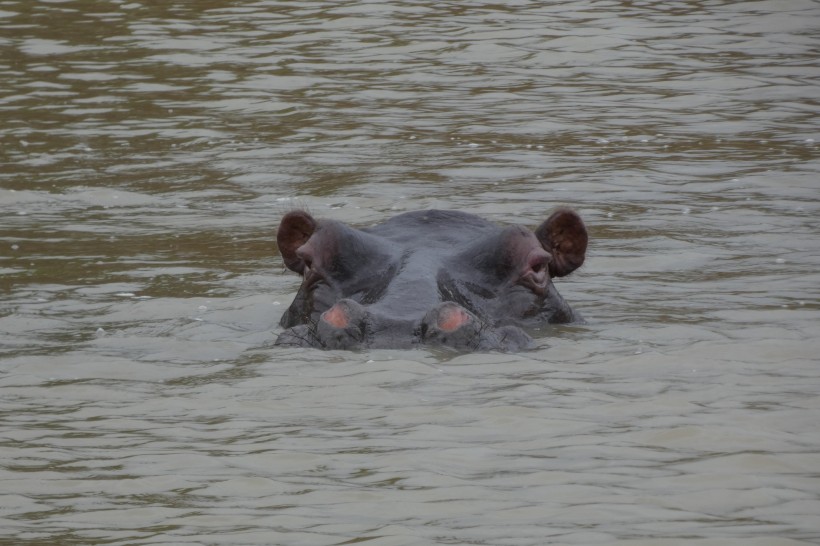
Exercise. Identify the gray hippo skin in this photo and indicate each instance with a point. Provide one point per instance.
(435, 278)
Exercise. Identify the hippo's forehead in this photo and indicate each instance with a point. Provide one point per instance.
(433, 229)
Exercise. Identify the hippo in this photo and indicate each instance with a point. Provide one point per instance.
(432, 278)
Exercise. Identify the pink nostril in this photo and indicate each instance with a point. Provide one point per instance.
(452, 318)
(336, 317)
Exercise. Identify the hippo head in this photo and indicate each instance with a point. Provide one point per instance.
(440, 278)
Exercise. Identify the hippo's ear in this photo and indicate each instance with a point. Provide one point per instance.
(564, 236)
(295, 229)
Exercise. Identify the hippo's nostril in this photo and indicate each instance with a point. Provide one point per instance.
(336, 316)
(345, 314)
(343, 326)
(450, 324)
(452, 317)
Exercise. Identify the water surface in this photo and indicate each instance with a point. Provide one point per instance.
(147, 151)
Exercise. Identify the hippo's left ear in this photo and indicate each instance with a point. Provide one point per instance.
(294, 231)
(564, 236)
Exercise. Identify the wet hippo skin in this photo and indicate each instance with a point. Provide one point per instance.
(435, 277)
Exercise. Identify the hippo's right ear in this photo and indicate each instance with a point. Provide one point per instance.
(565, 237)
(294, 231)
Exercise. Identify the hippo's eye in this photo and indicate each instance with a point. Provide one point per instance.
(540, 262)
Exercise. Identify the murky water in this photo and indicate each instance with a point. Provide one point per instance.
(149, 148)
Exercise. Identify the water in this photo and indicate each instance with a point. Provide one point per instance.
(148, 150)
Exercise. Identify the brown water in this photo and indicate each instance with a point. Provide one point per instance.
(148, 149)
